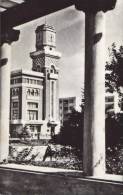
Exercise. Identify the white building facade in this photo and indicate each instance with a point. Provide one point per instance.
(34, 94)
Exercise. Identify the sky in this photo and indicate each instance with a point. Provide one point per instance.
(70, 26)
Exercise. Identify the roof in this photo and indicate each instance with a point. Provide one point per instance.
(7, 4)
(45, 27)
(21, 72)
(17, 12)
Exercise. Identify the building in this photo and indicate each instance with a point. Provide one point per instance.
(113, 102)
(66, 106)
(112, 105)
(34, 94)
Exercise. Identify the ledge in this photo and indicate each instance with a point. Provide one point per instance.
(24, 179)
(69, 172)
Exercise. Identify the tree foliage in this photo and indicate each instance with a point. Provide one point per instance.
(114, 69)
(114, 131)
(72, 130)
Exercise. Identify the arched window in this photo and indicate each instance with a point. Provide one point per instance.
(28, 92)
(53, 70)
(32, 92)
(36, 92)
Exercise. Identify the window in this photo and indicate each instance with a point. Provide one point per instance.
(65, 110)
(15, 91)
(30, 81)
(109, 106)
(34, 81)
(52, 98)
(65, 102)
(19, 80)
(109, 99)
(12, 81)
(71, 108)
(32, 92)
(28, 92)
(15, 114)
(39, 82)
(60, 101)
(71, 101)
(15, 104)
(32, 115)
(36, 92)
(32, 128)
(32, 105)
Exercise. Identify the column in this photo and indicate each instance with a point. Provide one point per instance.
(94, 114)
(5, 62)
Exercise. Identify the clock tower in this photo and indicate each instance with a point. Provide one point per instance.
(46, 60)
(45, 37)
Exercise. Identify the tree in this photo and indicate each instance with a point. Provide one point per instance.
(26, 133)
(114, 83)
(114, 72)
(72, 130)
(114, 69)
(114, 132)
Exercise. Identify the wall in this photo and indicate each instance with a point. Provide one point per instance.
(14, 182)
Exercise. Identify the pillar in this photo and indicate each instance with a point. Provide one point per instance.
(5, 64)
(94, 111)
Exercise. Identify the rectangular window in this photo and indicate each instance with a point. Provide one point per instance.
(72, 100)
(39, 82)
(19, 80)
(32, 105)
(52, 98)
(15, 104)
(109, 99)
(109, 106)
(30, 81)
(32, 115)
(27, 80)
(12, 81)
(15, 114)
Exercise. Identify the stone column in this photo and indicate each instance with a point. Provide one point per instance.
(5, 61)
(94, 114)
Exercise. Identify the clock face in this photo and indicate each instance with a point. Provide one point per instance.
(45, 38)
(51, 38)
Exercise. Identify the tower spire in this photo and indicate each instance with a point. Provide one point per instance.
(45, 20)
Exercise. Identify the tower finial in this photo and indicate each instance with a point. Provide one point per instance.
(45, 20)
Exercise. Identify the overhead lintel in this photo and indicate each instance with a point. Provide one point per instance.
(30, 10)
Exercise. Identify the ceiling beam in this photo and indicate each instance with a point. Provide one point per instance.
(30, 10)
(7, 4)
(2, 9)
(18, 1)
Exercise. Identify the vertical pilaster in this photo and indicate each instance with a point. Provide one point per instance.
(5, 64)
(94, 115)
(4, 99)
(94, 111)
(24, 116)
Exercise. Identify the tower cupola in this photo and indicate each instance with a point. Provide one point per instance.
(45, 37)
